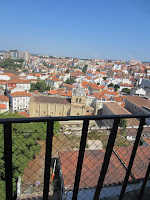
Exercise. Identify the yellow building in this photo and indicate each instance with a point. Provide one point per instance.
(43, 105)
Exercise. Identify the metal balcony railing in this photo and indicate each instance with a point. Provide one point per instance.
(7, 124)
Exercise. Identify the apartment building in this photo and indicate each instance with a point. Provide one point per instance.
(19, 101)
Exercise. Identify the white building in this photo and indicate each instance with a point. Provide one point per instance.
(19, 101)
(4, 100)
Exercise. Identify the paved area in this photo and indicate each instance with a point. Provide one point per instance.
(94, 144)
(132, 195)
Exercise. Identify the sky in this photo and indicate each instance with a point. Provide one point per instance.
(104, 29)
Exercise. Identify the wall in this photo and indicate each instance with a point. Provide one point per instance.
(48, 109)
(88, 194)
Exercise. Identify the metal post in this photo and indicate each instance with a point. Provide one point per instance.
(8, 159)
(107, 156)
(49, 139)
(138, 136)
(80, 158)
(144, 183)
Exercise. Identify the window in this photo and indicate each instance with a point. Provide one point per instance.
(76, 100)
(80, 100)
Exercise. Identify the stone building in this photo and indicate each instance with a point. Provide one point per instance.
(138, 105)
(112, 108)
(43, 105)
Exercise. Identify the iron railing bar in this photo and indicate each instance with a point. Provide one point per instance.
(48, 153)
(93, 117)
(138, 136)
(107, 156)
(144, 183)
(80, 158)
(8, 160)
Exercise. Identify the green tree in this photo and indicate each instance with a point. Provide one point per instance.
(40, 86)
(70, 81)
(24, 146)
(111, 85)
(67, 71)
(104, 78)
(126, 90)
(85, 69)
(10, 64)
(116, 86)
(123, 125)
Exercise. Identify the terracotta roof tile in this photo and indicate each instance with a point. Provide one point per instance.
(2, 106)
(93, 160)
(4, 98)
(139, 101)
(141, 159)
(21, 94)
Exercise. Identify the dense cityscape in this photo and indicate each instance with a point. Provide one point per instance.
(36, 79)
(49, 86)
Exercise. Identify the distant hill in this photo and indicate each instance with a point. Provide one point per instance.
(1, 51)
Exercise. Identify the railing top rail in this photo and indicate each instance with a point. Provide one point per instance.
(93, 117)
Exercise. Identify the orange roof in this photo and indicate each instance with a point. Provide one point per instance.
(88, 77)
(53, 92)
(18, 81)
(84, 83)
(2, 106)
(3, 98)
(109, 92)
(23, 114)
(68, 85)
(56, 79)
(126, 85)
(2, 83)
(67, 93)
(118, 99)
(94, 86)
(8, 74)
(37, 75)
(21, 94)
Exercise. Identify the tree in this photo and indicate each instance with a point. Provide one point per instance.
(40, 86)
(67, 71)
(123, 125)
(24, 146)
(111, 85)
(104, 78)
(10, 64)
(70, 81)
(116, 86)
(85, 69)
(126, 90)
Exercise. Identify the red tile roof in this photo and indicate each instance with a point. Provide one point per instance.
(23, 114)
(119, 110)
(141, 160)
(94, 86)
(21, 94)
(118, 99)
(93, 160)
(4, 98)
(53, 92)
(139, 101)
(2, 106)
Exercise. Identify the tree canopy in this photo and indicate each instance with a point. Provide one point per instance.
(126, 90)
(24, 146)
(11, 64)
(70, 81)
(85, 69)
(40, 86)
